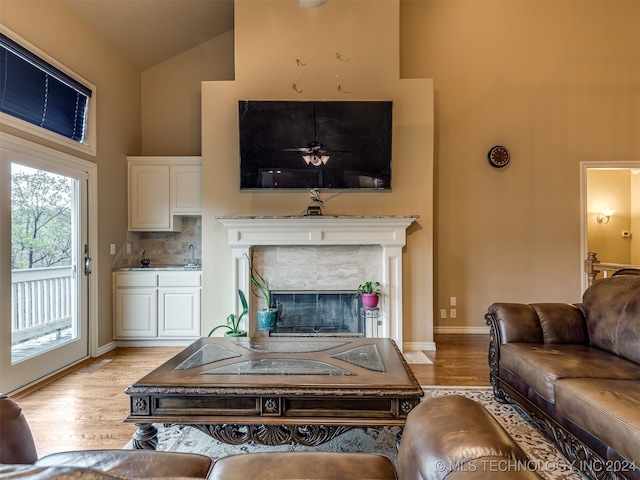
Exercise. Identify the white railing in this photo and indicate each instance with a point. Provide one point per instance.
(41, 302)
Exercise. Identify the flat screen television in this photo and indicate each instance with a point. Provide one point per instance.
(315, 144)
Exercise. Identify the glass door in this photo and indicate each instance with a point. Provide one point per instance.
(49, 265)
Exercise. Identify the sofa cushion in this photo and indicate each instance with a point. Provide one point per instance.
(133, 463)
(308, 465)
(22, 472)
(561, 323)
(540, 365)
(612, 309)
(606, 408)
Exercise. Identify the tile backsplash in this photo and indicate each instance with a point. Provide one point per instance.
(163, 248)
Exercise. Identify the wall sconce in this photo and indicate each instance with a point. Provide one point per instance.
(605, 216)
(305, 4)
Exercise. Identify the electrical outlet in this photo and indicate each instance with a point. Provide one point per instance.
(128, 248)
(443, 313)
(452, 313)
(453, 301)
(112, 249)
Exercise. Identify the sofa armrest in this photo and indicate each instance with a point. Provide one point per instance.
(537, 323)
(16, 442)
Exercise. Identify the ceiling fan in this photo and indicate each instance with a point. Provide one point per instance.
(314, 153)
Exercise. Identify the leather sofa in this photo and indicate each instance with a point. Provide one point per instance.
(575, 369)
(19, 458)
(449, 436)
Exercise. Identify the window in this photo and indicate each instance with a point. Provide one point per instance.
(35, 91)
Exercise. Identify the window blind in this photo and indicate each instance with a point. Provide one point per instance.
(35, 91)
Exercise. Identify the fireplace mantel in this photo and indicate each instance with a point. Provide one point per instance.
(389, 232)
(317, 230)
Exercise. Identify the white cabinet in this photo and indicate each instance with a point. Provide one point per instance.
(179, 304)
(149, 202)
(135, 305)
(186, 189)
(161, 189)
(157, 305)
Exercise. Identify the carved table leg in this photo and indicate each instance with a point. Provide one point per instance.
(146, 437)
(399, 438)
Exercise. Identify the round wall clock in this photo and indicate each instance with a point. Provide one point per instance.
(498, 156)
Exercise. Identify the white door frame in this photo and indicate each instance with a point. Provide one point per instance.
(19, 145)
(584, 214)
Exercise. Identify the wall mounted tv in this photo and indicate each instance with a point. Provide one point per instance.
(315, 144)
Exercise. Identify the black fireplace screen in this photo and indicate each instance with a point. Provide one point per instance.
(318, 313)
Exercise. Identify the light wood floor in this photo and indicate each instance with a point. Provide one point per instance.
(85, 408)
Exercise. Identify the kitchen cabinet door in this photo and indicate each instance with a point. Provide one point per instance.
(136, 312)
(186, 189)
(150, 198)
(179, 312)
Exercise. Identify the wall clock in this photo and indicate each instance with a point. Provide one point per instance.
(498, 156)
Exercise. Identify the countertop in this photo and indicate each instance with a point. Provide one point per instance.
(161, 268)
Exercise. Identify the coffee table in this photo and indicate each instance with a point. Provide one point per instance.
(276, 391)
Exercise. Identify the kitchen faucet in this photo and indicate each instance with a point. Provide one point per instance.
(192, 254)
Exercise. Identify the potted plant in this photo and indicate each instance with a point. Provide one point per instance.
(233, 321)
(370, 293)
(260, 286)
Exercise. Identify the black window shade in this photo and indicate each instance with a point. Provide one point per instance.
(35, 91)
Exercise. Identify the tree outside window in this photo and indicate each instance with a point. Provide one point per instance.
(40, 219)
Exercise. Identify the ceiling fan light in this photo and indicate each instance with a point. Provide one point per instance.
(316, 160)
(305, 4)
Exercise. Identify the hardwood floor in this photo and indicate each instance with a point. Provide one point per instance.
(85, 408)
(459, 360)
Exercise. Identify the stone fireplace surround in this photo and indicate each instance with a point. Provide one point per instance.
(387, 232)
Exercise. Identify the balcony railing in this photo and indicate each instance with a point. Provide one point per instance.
(41, 302)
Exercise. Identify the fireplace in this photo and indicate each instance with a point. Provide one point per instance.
(378, 239)
(318, 313)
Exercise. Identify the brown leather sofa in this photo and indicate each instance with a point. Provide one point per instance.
(445, 437)
(575, 368)
(19, 458)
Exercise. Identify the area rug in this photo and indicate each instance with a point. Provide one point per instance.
(544, 456)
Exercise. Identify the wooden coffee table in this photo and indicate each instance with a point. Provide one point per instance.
(275, 391)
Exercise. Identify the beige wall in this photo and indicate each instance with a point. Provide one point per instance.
(635, 219)
(53, 28)
(270, 35)
(557, 82)
(171, 101)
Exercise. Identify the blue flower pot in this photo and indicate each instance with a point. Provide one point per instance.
(267, 319)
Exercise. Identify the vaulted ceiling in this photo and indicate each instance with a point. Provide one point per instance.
(148, 32)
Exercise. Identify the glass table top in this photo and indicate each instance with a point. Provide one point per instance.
(365, 356)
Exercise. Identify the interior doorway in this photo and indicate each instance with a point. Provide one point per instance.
(610, 217)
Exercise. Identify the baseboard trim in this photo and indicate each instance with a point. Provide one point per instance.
(462, 330)
(416, 346)
(107, 348)
(155, 343)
